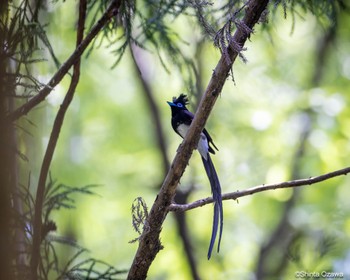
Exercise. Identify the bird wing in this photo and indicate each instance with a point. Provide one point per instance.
(210, 141)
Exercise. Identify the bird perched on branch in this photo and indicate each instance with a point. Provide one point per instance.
(181, 119)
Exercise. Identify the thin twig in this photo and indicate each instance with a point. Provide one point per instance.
(282, 234)
(63, 70)
(149, 243)
(261, 188)
(37, 224)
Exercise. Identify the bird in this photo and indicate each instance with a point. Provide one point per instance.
(181, 119)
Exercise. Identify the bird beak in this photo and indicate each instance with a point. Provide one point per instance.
(171, 103)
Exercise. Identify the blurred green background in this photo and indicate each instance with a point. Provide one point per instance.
(285, 116)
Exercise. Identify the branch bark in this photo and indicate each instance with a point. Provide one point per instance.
(63, 70)
(181, 196)
(149, 244)
(257, 189)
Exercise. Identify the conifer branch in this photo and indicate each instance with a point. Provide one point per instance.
(111, 11)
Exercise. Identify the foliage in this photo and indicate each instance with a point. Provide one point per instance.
(57, 197)
(22, 33)
(139, 215)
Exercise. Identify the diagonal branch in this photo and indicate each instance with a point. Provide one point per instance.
(257, 189)
(181, 196)
(63, 70)
(149, 244)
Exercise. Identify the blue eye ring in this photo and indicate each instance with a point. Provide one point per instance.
(179, 105)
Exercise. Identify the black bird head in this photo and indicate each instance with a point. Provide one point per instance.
(179, 103)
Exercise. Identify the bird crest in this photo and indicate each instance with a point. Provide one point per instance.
(183, 99)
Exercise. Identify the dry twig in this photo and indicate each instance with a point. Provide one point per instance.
(257, 189)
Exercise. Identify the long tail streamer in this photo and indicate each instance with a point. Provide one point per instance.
(218, 209)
